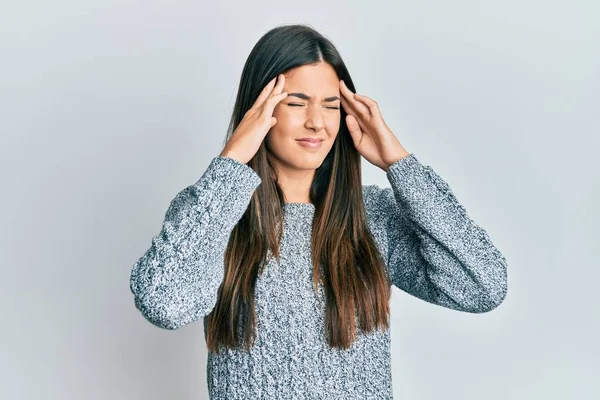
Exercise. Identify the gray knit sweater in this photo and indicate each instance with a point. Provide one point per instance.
(433, 251)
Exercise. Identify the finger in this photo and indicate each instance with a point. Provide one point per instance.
(354, 129)
(272, 101)
(350, 111)
(264, 94)
(275, 95)
(370, 103)
(279, 87)
(359, 107)
(348, 107)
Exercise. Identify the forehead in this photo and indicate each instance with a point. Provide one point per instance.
(318, 80)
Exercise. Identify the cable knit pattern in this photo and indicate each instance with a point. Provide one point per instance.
(433, 251)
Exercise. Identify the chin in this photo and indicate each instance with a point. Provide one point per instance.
(310, 162)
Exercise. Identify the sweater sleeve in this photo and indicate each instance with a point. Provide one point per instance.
(436, 252)
(175, 282)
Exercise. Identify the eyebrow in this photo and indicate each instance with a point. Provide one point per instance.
(306, 97)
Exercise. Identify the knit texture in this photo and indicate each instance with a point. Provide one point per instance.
(433, 250)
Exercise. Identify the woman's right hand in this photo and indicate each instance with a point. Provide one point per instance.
(258, 120)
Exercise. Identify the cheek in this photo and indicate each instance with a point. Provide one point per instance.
(332, 124)
(286, 116)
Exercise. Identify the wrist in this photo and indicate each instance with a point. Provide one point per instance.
(399, 155)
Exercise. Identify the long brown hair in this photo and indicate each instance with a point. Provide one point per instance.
(345, 258)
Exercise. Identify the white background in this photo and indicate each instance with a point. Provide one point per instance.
(109, 108)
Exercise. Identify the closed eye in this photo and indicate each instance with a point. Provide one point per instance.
(300, 105)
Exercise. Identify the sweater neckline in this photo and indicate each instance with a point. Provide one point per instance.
(309, 205)
(298, 210)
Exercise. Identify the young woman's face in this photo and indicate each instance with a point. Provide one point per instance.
(311, 110)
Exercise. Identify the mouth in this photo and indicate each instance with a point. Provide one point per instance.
(313, 140)
(310, 143)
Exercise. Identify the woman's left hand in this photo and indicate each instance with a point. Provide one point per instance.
(371, 136)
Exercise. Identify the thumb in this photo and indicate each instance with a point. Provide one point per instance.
(354, 129)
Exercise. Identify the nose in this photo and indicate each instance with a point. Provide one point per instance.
(314, 117)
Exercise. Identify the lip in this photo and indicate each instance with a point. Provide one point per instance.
(310, 143)
(310, 139)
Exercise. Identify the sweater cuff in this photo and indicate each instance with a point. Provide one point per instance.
(402, 167)
(233, 173)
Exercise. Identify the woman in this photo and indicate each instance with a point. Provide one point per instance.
(288, 258)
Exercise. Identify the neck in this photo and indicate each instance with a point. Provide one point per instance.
(295, 183)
